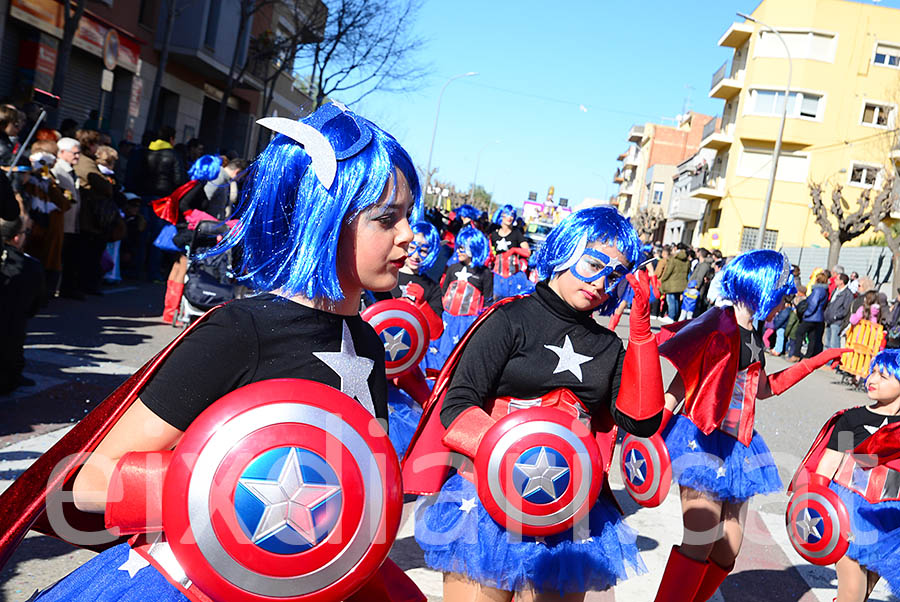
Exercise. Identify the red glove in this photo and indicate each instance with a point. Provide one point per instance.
(667, 416)
(134, 496)
(465, 433)
(641, 390)
(413, 382)
(787, 378)
(416, 294)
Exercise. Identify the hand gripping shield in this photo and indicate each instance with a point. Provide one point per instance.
(282, 490)
(538, 471)
(646, 469)
(818, 523)
(404, 332)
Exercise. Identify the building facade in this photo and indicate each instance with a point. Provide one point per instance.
(841, 118)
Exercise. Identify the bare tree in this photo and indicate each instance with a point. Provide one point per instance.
(646, 221)
(850, 224)
(71, 18)
(368, 46)
(172, 8)
(890, 204)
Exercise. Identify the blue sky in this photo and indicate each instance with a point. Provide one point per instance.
(539, 63)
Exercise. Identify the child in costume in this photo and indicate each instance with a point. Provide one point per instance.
(468, 287)
(718, 460)
(325, 216)
(511, 253)
(689, 301)
(845, 451)
(546, 350)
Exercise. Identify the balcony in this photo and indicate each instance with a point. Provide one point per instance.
(626, 189)
(631, 159)
(895, 154)
(707, 185)
(725, 87)
(636, 134)
(717, 138)
(736, 35)
(689, 208)
(618, 178)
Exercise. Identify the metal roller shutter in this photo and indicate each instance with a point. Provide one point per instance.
(9, 59)
(81, 90)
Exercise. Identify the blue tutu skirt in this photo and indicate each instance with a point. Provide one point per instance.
(876, 532)
(403, 418)
(118, 574)
(458, 536)
(517, 284)
(454, 329)
(718, 464)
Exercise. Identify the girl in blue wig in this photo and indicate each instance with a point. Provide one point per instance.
(838, 458)
(718, 459)
(467, 288)
(511, 253)
(324, 217)
(543, 349)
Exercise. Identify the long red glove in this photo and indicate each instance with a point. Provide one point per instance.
(416, 294)
(465, 433)
(413, 382)
(134, 495)
(787, 378)
(641, 390)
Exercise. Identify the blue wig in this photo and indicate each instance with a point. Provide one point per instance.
(759, 280)
(431, 240)
(888, 362)
(468, 211)
(206, 168)
(505, 210)
(290, 223)
(475, 243)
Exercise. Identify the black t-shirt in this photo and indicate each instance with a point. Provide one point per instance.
(431, 288)
(861, 422)
(477, 275)
(751, 348)
(531, 346)
(502, 244)
(265, 337)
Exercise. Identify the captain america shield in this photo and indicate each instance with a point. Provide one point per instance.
(403, 331)
(646, 469)
(818, 524)
(538, 471)
(282, 490)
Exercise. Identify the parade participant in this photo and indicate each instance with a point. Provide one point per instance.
(511, 252)
(543, 349)
(841, 451)
(468, 287)
(718, 460)
(465, 215)
(325, 216)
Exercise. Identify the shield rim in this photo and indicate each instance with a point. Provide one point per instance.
(383, 311)
(658, 490)
(835, 542)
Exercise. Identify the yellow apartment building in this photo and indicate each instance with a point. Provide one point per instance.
(841, 118)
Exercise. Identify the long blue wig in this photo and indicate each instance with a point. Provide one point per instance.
(887, 361)
(476, 242)
(206, 168)
(759, 280)
(289, 223)
(432, 240)
(505, 210)
(468, 211)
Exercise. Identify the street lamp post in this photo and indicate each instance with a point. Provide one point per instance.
(437, 114)
(477, 163)
(777, 151)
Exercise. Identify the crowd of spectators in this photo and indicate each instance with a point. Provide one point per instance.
(76, 212)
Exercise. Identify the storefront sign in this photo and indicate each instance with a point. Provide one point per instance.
(134, 102)
(46, 60)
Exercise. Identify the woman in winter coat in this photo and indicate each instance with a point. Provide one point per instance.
(812, 322)
(673, 281)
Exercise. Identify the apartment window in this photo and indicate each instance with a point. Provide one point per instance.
(758, 164)
(877, 114)
(862, 174)
(212, 24)
(748, 239)
(658, 189)
(801, 44)
(147, 13)
(887, 55)
(799, 104)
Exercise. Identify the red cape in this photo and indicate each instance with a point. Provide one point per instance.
(24, 503)
(167, 207)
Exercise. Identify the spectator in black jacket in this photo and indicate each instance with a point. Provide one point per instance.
(11, 121)
(838, 308)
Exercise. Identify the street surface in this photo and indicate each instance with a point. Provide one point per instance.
(80, 351)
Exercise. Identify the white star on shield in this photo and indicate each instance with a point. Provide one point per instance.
(503, 245)
(393, 344)
(808, 526)
(569, 360)
(464, 274)
(289, 501)
(634, 466)
(353, 370)
(541, 475)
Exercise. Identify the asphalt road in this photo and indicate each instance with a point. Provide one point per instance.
(80, 351)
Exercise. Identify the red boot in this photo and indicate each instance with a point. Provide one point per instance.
(681, 578)
(174, 290)
(713, 578)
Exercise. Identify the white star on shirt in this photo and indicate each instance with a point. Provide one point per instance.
(807, 526)
(393, 344)
(464, 274)
(568, 359)
(134, 563)
(503, 245)
(467, 505)
(403, 288)
(872, 429)
(353, 370)
(754, 347)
